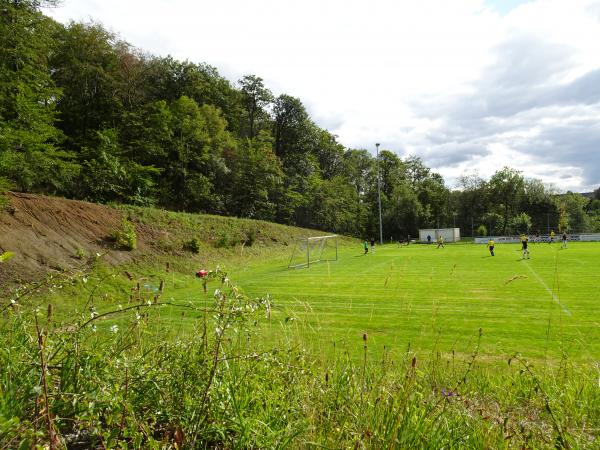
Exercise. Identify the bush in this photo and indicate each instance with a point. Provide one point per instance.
(481, 230)
(250, 237)
(224, 241)
(125, 238)
(5, 185)
(80, 253)
(192, 246)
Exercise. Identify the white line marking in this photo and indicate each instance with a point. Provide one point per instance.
(554, 297)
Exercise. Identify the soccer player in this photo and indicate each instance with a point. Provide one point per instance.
(564, 240)
(490, 245)
(524, 243)
(551, 237)
(440, 241)
(372, 245)
(366, 245)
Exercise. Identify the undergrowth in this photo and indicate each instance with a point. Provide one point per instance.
(102, 374)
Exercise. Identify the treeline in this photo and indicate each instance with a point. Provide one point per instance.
(85, 115)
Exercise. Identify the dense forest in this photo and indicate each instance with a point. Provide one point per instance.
(85, 115)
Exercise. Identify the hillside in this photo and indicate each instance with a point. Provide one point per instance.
(50, 234)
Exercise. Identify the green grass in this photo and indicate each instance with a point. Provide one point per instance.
(431, 298)
(374, 351)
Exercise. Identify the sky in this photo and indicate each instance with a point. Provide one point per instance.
(470, 86)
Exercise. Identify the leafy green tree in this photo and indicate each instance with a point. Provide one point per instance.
(392, 171)
(572, 210)
(520, 223)
(86, 67)
(359, 169)
(330, 155)
(257, 178)
(256, 98)
(406, 209)
(108, 175)
(507, 188)
(539, 204)
(332, 206)
(168, 79)
(471, 200)
(30, 154)
(195, 167)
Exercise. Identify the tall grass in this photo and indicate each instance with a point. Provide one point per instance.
(111, 372)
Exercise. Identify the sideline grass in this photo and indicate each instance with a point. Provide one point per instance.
(440, 298)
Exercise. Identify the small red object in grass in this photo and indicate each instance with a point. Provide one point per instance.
(202, 273)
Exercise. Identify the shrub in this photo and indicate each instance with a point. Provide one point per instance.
(5, 185)
(192, 246)
(80, 253)
(250, 237)
(125, 238)
(224, 241)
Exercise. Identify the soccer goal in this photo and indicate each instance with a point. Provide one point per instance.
(311, 250)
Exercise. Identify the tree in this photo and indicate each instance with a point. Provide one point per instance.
(330, 155)
(257, 177)
(197, 175)
(108, 175)
(507, 188)
(256, 98)
(359, 167)
(392, 171)
(471, 200)
(86, 68)
(30, 154)
(406, 209)
(572, 215)
(521, 223)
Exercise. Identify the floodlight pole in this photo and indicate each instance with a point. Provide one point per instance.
(379, 196)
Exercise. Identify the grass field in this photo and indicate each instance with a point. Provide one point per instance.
(115, 363)
(431, 298)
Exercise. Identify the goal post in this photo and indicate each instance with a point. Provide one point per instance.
(312, 250)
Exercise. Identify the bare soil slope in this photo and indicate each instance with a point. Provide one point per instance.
(54, 234)
(47, 233)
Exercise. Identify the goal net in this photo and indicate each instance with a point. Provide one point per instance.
(311, 250)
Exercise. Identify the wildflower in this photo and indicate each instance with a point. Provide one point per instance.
(114, 329)
(447, 393)
(94, 328)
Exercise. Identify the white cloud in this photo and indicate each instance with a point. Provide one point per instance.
(454, 82)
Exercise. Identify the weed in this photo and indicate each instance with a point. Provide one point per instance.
(125, 237)
(193, 245)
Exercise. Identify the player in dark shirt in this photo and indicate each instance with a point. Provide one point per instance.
(524, 244)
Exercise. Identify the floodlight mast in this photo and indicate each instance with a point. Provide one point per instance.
(379, 196)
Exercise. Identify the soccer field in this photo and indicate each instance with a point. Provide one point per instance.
(439, 299)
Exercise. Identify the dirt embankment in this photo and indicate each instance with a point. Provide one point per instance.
(53, 234)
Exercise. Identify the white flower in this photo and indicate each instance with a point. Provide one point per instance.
(94, 328)
(114, 329)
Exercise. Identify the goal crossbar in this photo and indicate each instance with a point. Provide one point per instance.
(314, 249)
